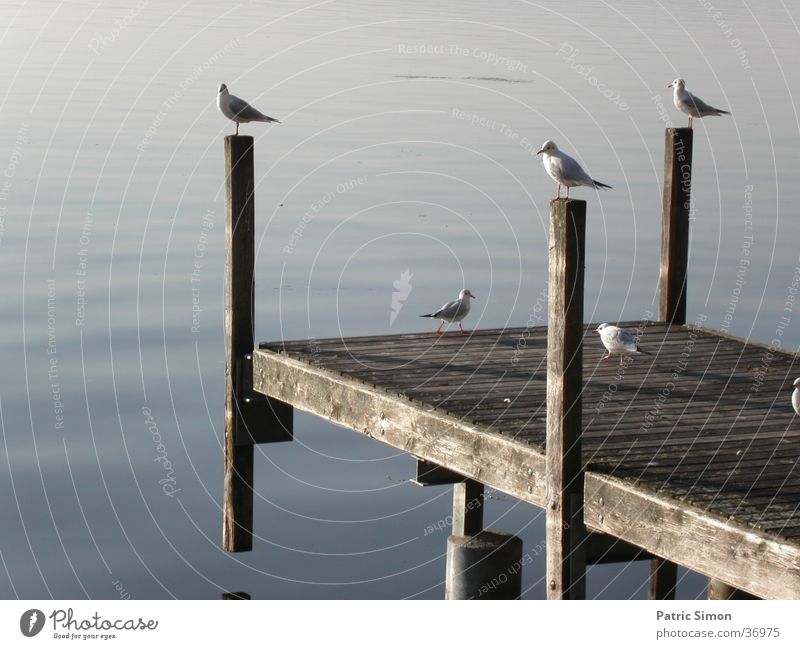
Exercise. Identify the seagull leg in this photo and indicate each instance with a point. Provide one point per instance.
(462, 329)
(439, 330)
(558, 191)
(567, 191)
(237, 128)
(608, 355)
(690, 121)
(621, 358)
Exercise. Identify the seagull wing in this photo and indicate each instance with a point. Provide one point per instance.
(449, 310)
(620, 340)
(702, 107)
(571, 171)
(245, 112)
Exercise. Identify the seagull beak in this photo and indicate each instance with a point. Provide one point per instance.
(540, 151)
(669, 86)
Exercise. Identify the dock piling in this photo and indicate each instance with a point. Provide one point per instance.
(677, 207)
(566, 551)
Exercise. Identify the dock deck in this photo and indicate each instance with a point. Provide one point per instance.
(691, 453)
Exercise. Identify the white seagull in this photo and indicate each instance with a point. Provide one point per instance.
(239, 110)
(796, 396)
(454, 311)
(693, 106)
(617, 340)
(565, 170)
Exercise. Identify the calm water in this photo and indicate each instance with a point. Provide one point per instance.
(408, 140)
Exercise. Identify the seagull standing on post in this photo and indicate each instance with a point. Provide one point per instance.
(454, 311)
(617, 340)
(239, 110)
(693, 106)
(565, 170)
(796, 396)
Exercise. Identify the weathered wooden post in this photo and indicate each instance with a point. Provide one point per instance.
(566, 548)
(676, 210)
(675, 215)
(720, 590)
(250, 418)
(481, 564)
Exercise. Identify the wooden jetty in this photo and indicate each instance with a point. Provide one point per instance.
(688, 456)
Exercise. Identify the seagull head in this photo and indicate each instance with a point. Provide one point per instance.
(796, 383)
(548, 147)
(223, 88)
(601, 327)
(466, 293)
(678, 84)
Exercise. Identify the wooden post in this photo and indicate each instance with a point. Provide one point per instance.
(566, 552)
(663, 579)
(675, 225)
(467, 508)
(676, 210)
(720, 590)
(237, 534)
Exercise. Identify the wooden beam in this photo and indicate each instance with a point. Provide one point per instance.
(471, 450)
(467, 508)
(566, 560)
(428, 474)
(676, 211)
(261, 420)
(237, 529)
(746, 558)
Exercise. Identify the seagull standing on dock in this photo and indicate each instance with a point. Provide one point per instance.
(239, 110)
(565, 170)
(454, 311)
(617, 340)
(796, 396)
(693, 106)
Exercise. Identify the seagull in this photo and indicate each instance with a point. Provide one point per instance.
(617, 340)
(693, 106)
(796, 396)
(454, 311)
(565, 170)
(239, 110)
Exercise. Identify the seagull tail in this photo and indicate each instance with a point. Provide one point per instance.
(599, 185)
(723, 112)
(641, 351)
(267, 118)
(428, 315)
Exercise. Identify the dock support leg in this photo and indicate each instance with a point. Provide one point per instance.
(566, 534)
(481, 564)
(720, 590)
(663, 579)
(675, 214)
(237, 528)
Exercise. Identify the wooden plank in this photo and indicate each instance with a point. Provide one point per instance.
(237, 528)
(566, 550)
(473, 451)
(675, 225)
(757, 562)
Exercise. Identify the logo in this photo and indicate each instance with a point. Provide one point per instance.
(31, 622)
(402, 289)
